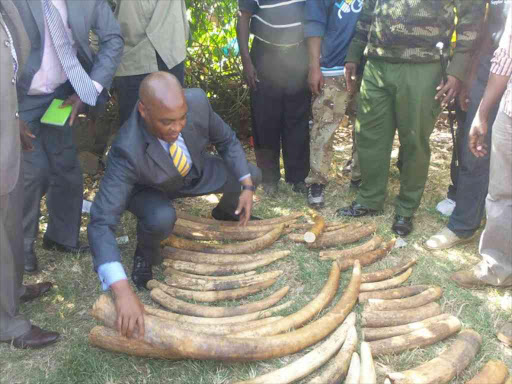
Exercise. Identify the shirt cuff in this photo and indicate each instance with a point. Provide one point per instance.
(355, 52)
(98, 86)
(110, 273)
(244, 177)
(459, 66)
(314, 29)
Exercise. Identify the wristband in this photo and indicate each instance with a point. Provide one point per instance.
(248, 188)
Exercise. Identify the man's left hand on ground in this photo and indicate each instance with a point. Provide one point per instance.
(244, 208)
(76, 104)
(449, 91)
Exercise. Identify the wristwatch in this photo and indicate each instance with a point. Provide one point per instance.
(248, 188)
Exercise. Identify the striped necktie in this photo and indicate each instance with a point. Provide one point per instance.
(179, 159)
(79, 79)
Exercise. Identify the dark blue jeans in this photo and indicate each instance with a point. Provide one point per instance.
(472, 174)
(128, 88)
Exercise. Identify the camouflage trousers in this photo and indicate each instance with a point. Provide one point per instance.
(328, 111)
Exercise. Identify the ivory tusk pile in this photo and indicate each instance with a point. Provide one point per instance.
(446, 366)
(311, 361)
(216, 259)
(221, 270)
(185, 308)
(197, 284)
(387, 284)
(367, 258)
(369, 246)
(250, 246)
(204, 220)
(376, 319)
(395, 293)
(211, 347)
(337, 368)
(425, 297)
(388, 273)
(372, 334)
(302, 316)
(212, 296)
(417, 339)
(342, 236)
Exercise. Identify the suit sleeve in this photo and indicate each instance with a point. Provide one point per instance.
(110, 202)
(111, 44)
(227, 144)
(360, 39)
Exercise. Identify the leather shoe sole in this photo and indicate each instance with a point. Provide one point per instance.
(33, 291)
(34, 338)
(51, 245)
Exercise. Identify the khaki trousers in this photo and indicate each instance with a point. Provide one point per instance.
(496, 241)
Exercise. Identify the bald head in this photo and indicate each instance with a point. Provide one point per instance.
(161, 88)
(163, 105)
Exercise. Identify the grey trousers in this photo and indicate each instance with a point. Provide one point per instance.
(12, 324)
(51, 169)
(496, 241)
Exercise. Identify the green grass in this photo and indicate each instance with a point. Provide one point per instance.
(66, 308)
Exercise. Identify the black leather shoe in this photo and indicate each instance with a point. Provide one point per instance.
(357, 210)
(51, 245)
(402, 225)
(355, 184)
(222, 215)
(141, 272)
(33, 291)
(34, 338)
(30, 262)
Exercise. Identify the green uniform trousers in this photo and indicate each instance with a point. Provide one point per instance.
(396, 96)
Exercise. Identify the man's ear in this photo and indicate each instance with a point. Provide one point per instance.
(142, 109)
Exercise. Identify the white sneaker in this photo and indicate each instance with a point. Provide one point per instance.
(446, 207)
(445, 238)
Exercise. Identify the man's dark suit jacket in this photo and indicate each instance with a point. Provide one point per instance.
(138, 160)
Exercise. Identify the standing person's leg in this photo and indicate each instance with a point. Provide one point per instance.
(416, 111)
(295, 116)
(266, 114)
(155, 220)
(473, 177)
(328, 111)
(65, 192)
(355, 169)
(12, 324)
(36, 180)
(496, 241)
(375, 130)
(178, 70)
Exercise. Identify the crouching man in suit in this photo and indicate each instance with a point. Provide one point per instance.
(159, 155)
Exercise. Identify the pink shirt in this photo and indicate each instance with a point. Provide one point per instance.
(502, 64)
(51, 74)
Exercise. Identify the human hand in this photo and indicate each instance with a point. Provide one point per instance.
(449, 91)
(477, 134)
(244, 208)
(130, 311)
(26, 137)
(464, 98)
(351, 77)
(250, 74)
(315, 80)
(77, 107)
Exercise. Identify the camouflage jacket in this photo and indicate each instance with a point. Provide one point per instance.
(408, 31)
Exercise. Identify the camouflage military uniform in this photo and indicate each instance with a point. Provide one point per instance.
(328, 111)
(399, 85)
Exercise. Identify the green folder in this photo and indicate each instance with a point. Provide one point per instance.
(55, 115)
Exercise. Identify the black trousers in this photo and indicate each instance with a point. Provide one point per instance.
(128, 87)
(281, 107)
